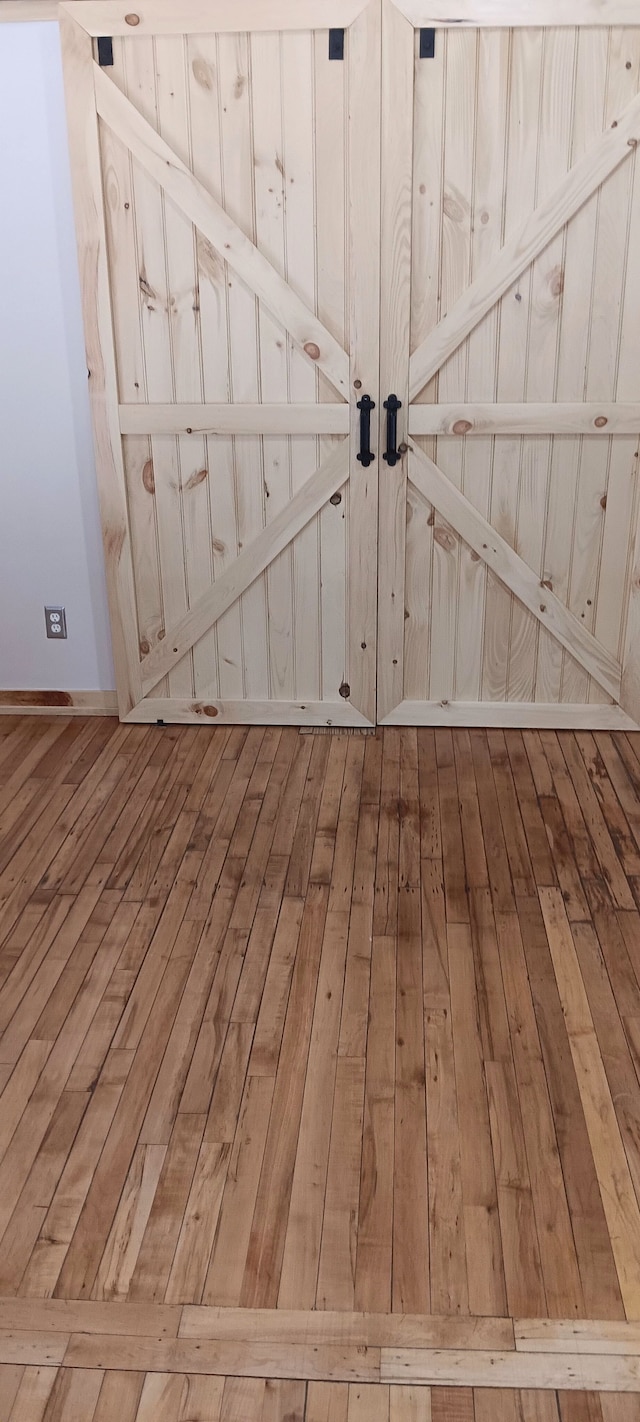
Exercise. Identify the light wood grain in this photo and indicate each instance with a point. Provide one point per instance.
(260, 713)
(234, 419)
(519, 251)
(200, 16)
(527, 418)
(523, 12)
(525, 714)
(577, 1373)
(361, 1329)
(510, 568)
(548, 1335)
(246, 568)
(618, 1196)
(397, 166)
(259, 263)
(364, 218)
(176, 179)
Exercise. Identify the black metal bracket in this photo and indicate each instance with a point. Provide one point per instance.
(336, 44)
(365, 406)
(392, 454)
(427, 44)
(105, 51)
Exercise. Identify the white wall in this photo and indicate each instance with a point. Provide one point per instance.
(50, 549)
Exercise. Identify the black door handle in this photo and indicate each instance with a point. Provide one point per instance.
(365, 406)
(392, 453)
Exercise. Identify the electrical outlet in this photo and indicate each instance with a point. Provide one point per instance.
(56, 622)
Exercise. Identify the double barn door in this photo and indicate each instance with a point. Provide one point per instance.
(290, 211)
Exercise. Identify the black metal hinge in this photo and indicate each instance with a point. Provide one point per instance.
(427, 44)
(105, 51)
(336, 44)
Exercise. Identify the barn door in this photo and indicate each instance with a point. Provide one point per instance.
(508, 572)
(228, 225)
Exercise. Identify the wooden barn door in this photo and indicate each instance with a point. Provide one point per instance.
(228, 213)
(508, 570)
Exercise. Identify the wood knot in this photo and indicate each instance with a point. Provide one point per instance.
(445, 538)
(452, 208)
(132, 19)
(600, 422)
(312, 350)
(344, 691)
(210, 711)
(202, 72)
(462, 427)
(144, 647)
(197, 478)
(556, 281)
(148, 477)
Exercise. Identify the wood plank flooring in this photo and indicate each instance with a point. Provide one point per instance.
(319, 1074)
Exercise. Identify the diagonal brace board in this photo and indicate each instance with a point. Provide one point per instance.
(246, 567)
(437, 489)
(241, 254)
(524, 246)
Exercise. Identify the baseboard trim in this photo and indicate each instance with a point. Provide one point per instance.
(58, 703)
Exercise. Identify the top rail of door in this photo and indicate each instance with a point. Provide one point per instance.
(163, 17)
(530, 13)
(170, 17)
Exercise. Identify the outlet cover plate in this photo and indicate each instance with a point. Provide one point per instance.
(56, 623)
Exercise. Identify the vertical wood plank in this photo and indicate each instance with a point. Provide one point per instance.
(330, 83)
(364, 325)
(398, 46)
(270, 198)
(426, 256)
(300, 214)
(213, 295)
(457, 168)
(493, 48)
(510, 630)
(557, 109)
(237, 139)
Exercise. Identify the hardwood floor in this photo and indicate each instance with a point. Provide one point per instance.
(319, 1066)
